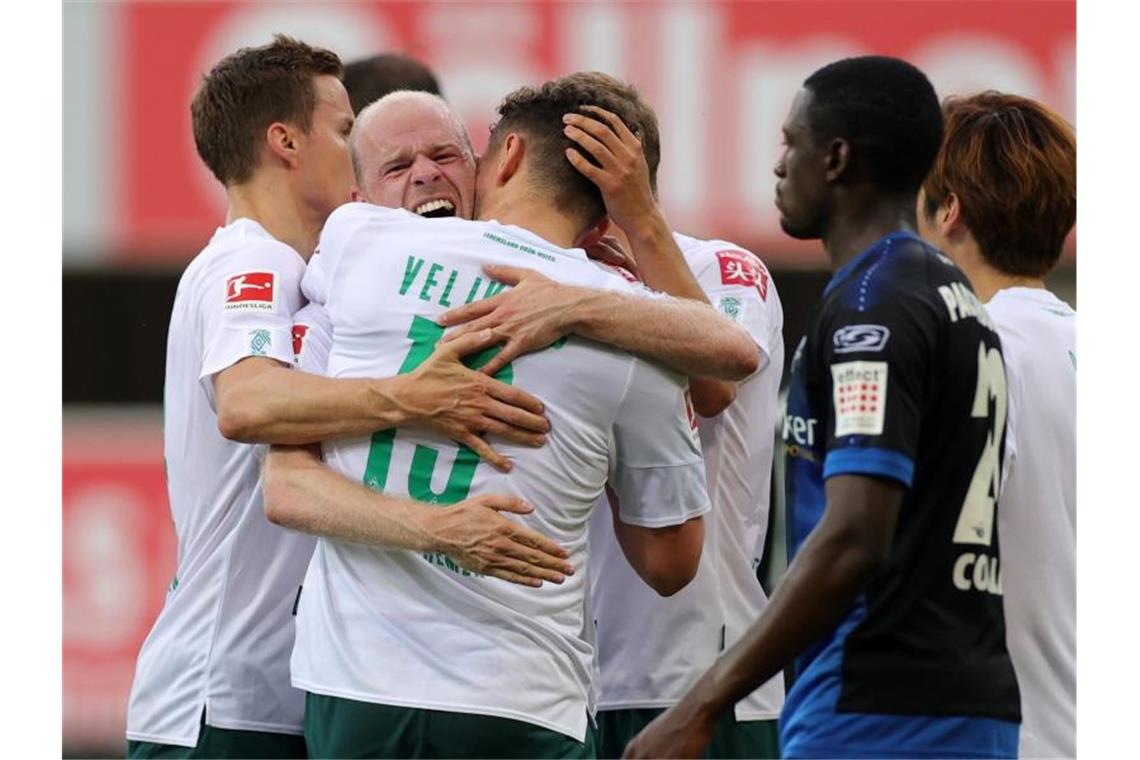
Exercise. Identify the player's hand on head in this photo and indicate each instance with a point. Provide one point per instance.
(678, 732)
(478, 538)
(530, 316)
(464, 404)
(621, 173)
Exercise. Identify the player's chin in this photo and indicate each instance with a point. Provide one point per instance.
(798, 231)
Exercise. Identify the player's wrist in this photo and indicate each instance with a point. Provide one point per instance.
(647, 235)
(388, 401)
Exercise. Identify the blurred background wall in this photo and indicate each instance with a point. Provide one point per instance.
(138, 204)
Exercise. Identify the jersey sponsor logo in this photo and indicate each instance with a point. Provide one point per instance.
(854, 338)
(299, 332)
(800, 430)
(251, 290)
(742, 268)
(859, 391)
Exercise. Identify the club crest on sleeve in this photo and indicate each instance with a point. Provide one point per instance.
(259, 342)
(854, 338)
(251, 290)
(859, 391)
(742, 268)
(299, 332)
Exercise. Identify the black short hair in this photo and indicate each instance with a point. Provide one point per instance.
(370, 79)
(538, 111)
(887, 110)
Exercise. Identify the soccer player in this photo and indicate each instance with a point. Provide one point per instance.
(369, 79)
(212, 678)
(405, 654)
(894, 434)
(649, 648)
(1000, 200)
(411, 151)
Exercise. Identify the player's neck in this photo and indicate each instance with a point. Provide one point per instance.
(987, 282)
(854, 229)
(534, 216)
(282, 214)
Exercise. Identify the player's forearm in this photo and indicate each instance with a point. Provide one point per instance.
(284, 406)
(688, 336)
(660, 263)
(816, 594)
(304, 495)
(662, 266)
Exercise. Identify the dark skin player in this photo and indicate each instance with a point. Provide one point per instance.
(821, 193)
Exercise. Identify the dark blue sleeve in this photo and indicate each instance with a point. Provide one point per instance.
(874, 357)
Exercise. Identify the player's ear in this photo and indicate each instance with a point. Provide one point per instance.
(283, 141)
(949, 217)
(590, 237)
(837, 158)
(510, 158)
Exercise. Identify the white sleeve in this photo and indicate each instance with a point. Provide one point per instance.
(737, 285)
(656, 467)
(247, 301)
(312, 339)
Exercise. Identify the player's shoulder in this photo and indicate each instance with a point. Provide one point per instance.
(359, 212)
(898, 266)
(707, 251)
(717, 263)
(242, 249)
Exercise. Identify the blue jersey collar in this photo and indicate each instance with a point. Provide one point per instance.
(842, 273)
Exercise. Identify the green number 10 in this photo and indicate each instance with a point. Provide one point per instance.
(425, 334)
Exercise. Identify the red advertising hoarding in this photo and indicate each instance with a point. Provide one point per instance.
(720, 75)
(118, 557)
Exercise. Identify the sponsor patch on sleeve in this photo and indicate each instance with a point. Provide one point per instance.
(299, 332)
(853, 338)
(859, 391)
(742, 268)
(251, 290)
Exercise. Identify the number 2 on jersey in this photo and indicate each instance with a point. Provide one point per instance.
(976, 520)
(424, 335)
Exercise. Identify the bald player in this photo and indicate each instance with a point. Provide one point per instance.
(404, 653)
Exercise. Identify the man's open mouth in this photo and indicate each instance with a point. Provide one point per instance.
(436, 209)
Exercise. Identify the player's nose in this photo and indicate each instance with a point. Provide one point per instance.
(424, 170)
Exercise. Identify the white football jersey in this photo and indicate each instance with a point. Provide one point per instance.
(1037, 513)
(650, 649)
(223, 637)
(402, 628)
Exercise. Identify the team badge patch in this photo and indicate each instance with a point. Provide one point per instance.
(259, 341)
(252, 290)
(742, 268)
(299, 332)
(859, 392)
(730, 307)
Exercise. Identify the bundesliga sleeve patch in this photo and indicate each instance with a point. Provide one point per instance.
(742, 268)
(251, 290)
(859, 391)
